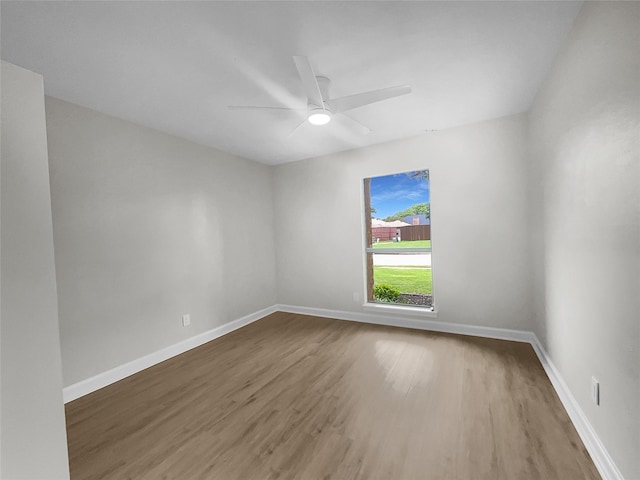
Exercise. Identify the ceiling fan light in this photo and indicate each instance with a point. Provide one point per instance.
(319, 117)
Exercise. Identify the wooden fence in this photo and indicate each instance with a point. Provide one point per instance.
(383, 234)
(410, 232)
(415, 232)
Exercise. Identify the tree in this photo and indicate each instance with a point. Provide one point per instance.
(417, 209)
(419, 174)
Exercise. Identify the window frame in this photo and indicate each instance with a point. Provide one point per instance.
(369, 251)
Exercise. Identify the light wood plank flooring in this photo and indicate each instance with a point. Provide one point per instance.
(292, 396)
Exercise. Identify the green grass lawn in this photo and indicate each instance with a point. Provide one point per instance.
(407, 244)
(406, 279)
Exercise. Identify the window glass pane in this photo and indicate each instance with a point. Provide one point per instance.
(408, 274)
(400, 210)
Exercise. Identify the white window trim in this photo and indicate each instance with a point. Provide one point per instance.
(399, 309)
(398, 250)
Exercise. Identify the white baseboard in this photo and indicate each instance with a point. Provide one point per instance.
(101, 380)
(601, 458)
(390, 320)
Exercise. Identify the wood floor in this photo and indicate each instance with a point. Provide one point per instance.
(293, 396)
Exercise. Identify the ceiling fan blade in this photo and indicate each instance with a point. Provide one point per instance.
(299, 125)
(342, 104)
(361, 126)
(309, 82)
(258, 107)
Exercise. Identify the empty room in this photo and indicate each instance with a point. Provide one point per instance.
(320, 240)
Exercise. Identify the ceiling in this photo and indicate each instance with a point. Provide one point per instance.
(177, 66)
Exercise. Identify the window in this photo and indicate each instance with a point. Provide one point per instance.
(398, 239)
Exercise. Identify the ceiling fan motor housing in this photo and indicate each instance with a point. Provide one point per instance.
(320, 114)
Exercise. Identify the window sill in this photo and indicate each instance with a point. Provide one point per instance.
(400, 310)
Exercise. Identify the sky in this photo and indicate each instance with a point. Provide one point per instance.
(394, 193)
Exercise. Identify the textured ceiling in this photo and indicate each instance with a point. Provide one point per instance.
(176, 66)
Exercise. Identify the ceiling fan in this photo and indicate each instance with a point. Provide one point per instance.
(321, 108)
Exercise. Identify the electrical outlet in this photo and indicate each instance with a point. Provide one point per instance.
(595, 390)
(186, 319)
(356, 297)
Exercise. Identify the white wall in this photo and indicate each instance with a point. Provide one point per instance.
(148, 227)
(479, 223)
(585, 149)
(33, 438)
